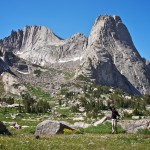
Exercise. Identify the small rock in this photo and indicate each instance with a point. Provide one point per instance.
(78, 118)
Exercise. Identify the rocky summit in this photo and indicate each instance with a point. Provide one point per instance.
(107, 57)
(112, 59)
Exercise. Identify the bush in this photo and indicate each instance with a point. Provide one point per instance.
(118, 92)
(37, 72)
(146, 98)
(42, 106)
(75, 109)
(137, 112)
(126, 114)
(9, 100)
(82, 78)
(69, 131)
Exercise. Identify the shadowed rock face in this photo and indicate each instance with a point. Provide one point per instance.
(108, 56)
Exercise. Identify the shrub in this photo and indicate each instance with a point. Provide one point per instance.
(82, 78)
(126, 114)
(8, 100)
(146, 98)
(69, 131)
(75, 108)
(119, 91)
(37, 72)
(42, 106)
(68, 75)
(137, 112)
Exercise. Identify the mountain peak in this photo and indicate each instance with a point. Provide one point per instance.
(117, 18)
(108, 17)
(110, 49)
(108, 56)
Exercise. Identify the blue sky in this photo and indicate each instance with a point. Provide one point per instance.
(66, 17)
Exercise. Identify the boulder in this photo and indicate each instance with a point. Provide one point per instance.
(136, 117)
(100, 121)
(82, 109)
(80, 118)
(51, 127)
(132, 126)
(17, 126)
(3, 129)
(12, 123)
(82, 125)
(14, 116)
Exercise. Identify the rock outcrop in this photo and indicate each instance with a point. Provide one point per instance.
(12, 85)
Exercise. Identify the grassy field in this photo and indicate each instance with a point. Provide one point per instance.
(77, 142)
(92, 138)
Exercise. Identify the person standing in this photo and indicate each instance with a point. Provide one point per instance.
(114, 117)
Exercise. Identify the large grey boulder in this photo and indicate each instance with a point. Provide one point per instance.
(51, 127)
(82, 125)
(100, 121)
(132, 126)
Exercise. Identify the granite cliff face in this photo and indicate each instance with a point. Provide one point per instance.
(107, 57)
(112, 59)
(41, 46)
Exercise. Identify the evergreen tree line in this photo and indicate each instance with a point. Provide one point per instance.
(93, 102)
(33, 106)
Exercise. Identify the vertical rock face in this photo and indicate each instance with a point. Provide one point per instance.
(114, 60)
(41, 46)
(14, 41)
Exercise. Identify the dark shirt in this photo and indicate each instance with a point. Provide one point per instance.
(115, 114)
